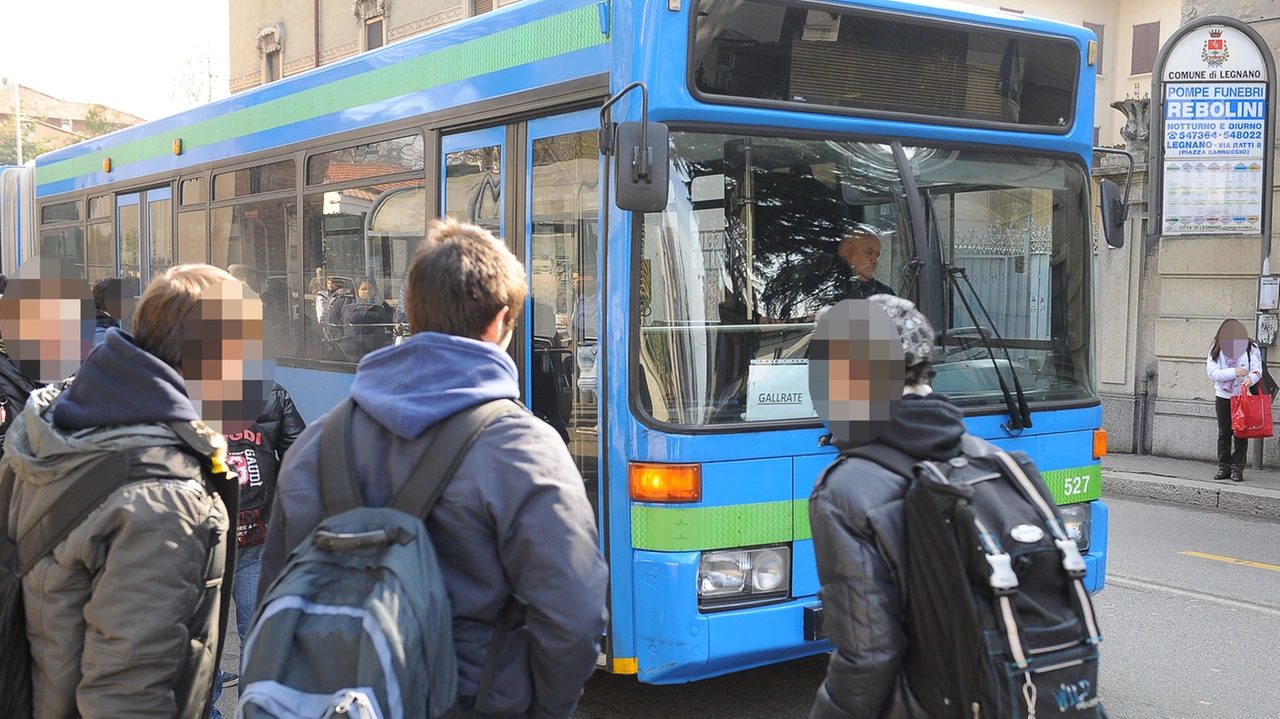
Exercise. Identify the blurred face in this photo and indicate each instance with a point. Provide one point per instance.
(365, 292)
(856, 370)
(331, 284)
(862, 252)
(228, 358)
(47, 319)
(1233, 340)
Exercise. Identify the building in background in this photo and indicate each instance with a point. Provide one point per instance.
(269, 41)
(49, 123)
(1129, 32)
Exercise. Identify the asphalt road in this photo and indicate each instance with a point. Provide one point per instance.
(1186, 636)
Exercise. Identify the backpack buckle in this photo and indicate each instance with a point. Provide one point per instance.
(1071, 559)
(1003, 579)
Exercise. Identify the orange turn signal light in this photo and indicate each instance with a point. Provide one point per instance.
(651, 482)
(106, 164)
(177, 145)
(1099, 443)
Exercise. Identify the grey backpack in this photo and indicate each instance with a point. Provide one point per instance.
(358, 623)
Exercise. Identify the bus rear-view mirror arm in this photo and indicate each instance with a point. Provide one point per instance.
(640, 148)
(1114, 210)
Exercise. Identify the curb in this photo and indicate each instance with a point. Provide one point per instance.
(1244, 499)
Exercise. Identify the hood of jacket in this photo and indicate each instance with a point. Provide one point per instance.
(121, 383)
(409, 387)
(926, 427)
(41, 453)
(122, 398)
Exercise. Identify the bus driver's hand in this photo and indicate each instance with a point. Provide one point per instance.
(1241, 371)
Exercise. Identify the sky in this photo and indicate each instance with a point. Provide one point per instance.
(129, 55)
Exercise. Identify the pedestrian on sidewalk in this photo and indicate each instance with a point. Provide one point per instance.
(514, 526)
(1234, 362)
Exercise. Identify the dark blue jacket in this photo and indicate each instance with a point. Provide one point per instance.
(515, 520)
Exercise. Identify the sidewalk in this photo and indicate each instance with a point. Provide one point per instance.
(1187, 482)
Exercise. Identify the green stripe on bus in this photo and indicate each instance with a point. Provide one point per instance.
(567, 32)
(687, 529)
(1078, 484)
(800, 519)
(667, 529)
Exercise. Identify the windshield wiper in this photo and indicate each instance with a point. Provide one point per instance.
(1019, 416)
(1019, 412)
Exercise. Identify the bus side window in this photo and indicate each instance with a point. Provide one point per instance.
(357, 247)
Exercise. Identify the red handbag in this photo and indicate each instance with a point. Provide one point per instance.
(1251, 414)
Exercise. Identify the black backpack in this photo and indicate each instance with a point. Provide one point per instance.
(96, 482)
(1266, 385)
(999, 622)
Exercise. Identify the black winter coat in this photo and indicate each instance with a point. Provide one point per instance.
(280, 420)
(255, 455)
(856, 511)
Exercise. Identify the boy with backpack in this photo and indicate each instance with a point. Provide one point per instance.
(937, 552)
(506, 579)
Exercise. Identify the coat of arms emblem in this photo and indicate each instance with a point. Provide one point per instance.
(1215, 53)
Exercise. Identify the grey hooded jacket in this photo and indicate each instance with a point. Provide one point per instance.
(514, 524)
(122, 616)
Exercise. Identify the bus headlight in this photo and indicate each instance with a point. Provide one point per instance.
(734, 577)
(1076, 519)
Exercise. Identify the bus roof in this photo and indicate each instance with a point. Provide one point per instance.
(521, 46)
(487, 56)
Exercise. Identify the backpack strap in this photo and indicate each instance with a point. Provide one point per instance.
(441, 459)
(1072, 562)
(426, 483)
(338, 490)
(86, 492)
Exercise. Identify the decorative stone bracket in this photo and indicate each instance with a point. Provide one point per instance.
(270, 39)
(366, 9)
(1137, 127)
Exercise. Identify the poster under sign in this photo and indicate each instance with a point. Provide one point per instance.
(778, 389)
(1212, 196)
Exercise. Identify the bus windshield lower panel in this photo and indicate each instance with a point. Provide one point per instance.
(763, 232)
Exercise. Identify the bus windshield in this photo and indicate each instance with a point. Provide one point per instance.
(869, 61)
(763, 232)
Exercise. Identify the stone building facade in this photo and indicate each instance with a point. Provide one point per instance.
(269, 41)
(1161, 299)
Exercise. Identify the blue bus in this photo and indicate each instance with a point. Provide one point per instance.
(667, 348)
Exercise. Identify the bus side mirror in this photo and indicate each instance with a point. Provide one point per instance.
(640, 166)
(1114, 212)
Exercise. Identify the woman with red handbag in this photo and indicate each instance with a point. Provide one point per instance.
(1233, 362)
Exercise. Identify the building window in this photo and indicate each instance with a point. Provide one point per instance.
(272, 65)
(271, 50)
(373, 33)
(1097, 135)
(1098, 30)
(483, 6)
(372, 14)
(1146, 45)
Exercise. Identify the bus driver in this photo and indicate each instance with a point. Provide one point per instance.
(860, 250)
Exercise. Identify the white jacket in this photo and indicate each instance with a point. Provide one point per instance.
(1223, 371)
